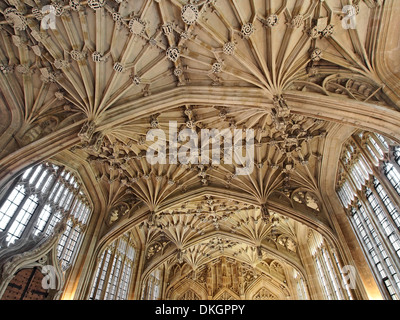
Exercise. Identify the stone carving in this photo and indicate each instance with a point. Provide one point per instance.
(316, 55)
(87, 132)
(229, 48)
(271, 21)
(137, 26)
(189, 14)
(264, 294)
(189, 295)
(75, 5)
(247, 30)
(96, 4)
(173, 54)
(15, 18)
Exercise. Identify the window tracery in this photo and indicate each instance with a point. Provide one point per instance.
(114, 270)
(327, 268)
(39, 199)
(369, 188)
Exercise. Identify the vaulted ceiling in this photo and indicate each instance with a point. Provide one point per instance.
(111, 70)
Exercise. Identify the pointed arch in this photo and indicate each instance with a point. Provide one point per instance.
(181, 288)
(226, 294)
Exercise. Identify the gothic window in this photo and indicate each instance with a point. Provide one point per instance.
(393, 176)
(264, 294)
(344, 281)
(374, 207)
(189, 295)
(375, 145)
(387, 202)
(300, 286)
(325, 285)
(387, 227)
(397, 155)
(39, 199)
(332, 275)
(376, 251)
(114, 270)
(151, 289)
(328, 273)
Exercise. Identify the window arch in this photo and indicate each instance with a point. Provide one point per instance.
(152, 288)
(114, 270)
(37, 201)
(328, 268)
(374, 207)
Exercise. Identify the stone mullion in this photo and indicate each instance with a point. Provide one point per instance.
(100, 266)
(64, 197)
(378, 253)
(335, 271)
(74, 223)
(367, 155)
(69, 237)
(68, 212)
(12, 219)
(317, 270)
(304, 287)
(162, 281)
(376, 249)
(386, 184)
(37, 177)
(327, 274)
(381, 233)
(374, 150)
(43, 201)
(114, 277)
(324, 289)
(378, 172)
(6, 193)
(392, 159)
(338, 273)
(350, 178)
(135, 289)
(30, 174)
(338, 267)
(325, 271)
(68, 240)
(146, 286)
(386, 212)
(108, 272)
(121, 270)
(380, 143)
(315, 289)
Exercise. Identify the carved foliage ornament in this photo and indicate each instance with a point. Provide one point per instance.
(247, 30)
(271, 21)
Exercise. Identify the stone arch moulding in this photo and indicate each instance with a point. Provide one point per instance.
(225, 294)
(277, 255)
(388, 16)
(325, 231)
(263, 282)
(345, 111)
(302, 217)
(176, 291)
(351, 112)
(143, 212)
(91, 264)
